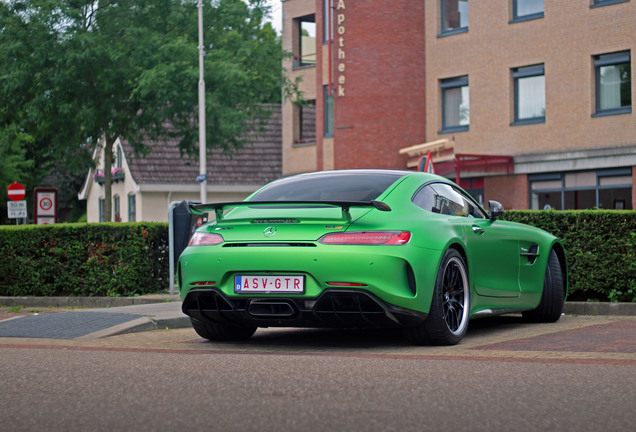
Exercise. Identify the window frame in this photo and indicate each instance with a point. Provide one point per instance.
(521, 73)
(562, 189)
(132, 208)
(100, 208)
(298, 42)
(304, 113)
(482, 213)
(450, 84)
(457, 30)
(300, 112)
(521, 18)
(610, 59)
(327, 19)
(601, 3)
(117, 208)
(119, 161)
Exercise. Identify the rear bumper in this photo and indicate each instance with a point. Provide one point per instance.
(333, 308)
(401, 276)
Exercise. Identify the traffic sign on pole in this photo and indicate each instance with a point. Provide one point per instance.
(17, 209)
(45, 205)
(16, 192)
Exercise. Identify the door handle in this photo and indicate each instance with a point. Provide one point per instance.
(478, 230)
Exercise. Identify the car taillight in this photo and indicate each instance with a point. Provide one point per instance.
(367, 238)
(205, 239)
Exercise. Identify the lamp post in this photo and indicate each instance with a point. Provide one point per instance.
(202, 147)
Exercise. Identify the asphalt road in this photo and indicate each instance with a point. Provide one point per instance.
(576, 375)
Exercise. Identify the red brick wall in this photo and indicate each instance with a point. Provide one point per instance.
(383, 108)
(510, 190)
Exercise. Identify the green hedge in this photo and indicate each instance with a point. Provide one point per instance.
(123, 259)
(109, 259)
(600, 246)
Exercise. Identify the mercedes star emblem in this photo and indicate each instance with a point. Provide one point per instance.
(270, 231)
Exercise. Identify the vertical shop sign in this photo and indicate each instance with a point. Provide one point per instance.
(340, 53)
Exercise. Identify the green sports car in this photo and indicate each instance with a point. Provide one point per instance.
(365, 248)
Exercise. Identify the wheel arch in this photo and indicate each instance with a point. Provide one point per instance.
(558, 248)
(462, 251)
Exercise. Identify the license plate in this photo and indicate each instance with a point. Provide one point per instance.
(269, 284)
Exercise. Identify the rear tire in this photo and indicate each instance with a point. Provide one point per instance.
(220, 332)
(551, 306)
(447, 320)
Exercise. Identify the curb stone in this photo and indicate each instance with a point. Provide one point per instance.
(574, 308)
(86, 302)
(600, 308)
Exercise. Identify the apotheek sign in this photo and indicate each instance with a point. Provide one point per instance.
(341, 54)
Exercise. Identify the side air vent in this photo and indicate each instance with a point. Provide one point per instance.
(531, 253)
(410, 277)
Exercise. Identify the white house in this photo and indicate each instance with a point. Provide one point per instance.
(144, 187)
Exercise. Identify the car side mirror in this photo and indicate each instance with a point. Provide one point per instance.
(495, 209)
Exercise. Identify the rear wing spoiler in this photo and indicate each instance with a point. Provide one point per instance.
(219, 208)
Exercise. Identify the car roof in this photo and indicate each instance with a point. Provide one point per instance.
(348, 172)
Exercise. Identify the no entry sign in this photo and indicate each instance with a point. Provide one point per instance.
(16, 192)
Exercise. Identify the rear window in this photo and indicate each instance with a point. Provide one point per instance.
(329, 187)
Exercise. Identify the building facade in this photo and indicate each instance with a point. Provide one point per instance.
(144, 186)
(528, 102)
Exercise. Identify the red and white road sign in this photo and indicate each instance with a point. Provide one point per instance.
(16, 192)
(45, 205)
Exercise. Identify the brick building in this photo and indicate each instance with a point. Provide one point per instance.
(525, 101)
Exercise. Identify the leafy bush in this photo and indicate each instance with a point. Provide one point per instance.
(600, 246)
(110, 259)
(123, 259)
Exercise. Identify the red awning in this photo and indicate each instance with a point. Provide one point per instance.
(473, 163)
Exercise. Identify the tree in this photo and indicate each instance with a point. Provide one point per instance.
(85, 72)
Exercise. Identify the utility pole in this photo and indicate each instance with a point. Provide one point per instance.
(203, 157)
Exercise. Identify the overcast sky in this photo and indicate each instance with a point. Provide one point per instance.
(277, 15)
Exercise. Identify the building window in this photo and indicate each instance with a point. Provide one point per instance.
(328, 114)
(524, 10)
(613, 83)
(454, 14)
(327, 29)
(120, 158)
(116, 208)
(132, 208)
(305, 41)
(101, 203)
(599, 3)
(455, 104)
(607, 189)
(529, 94)
(305, 123)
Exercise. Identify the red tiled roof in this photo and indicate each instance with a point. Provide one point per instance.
(258, 162)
